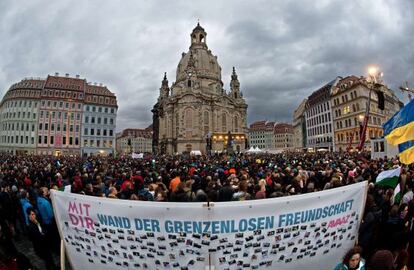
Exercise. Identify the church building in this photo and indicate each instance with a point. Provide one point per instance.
(196, 113)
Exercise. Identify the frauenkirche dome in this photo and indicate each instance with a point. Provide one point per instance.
(205, 63)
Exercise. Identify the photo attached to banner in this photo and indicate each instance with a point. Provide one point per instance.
(94, 235)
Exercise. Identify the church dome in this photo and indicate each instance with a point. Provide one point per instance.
(199, 59)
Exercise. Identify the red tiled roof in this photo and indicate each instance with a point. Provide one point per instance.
(66, 83)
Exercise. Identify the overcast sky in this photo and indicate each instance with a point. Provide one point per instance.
(282, 50)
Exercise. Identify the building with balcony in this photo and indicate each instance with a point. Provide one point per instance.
(349, 102)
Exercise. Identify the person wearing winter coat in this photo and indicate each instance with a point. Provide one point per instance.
(37, 234)
(24, 201)
(45, 207)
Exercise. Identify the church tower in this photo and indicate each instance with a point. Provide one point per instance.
(196, 112)
(235, 85)
(164, 89)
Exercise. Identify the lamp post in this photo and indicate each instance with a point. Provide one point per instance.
(373, 73)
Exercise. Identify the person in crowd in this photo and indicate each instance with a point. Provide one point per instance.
(382, 260)
(212, 178)
(9, 255)
(113, 193)
(370, 226)
(352, 260)
(37, 234)
(261, 190)
(409, 195)
(25, 203)
(242, 193)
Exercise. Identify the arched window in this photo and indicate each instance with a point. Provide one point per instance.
(206, 121)
(188, 118)
(224, 122)
(236, 123)
(176, 124)
(188, 123)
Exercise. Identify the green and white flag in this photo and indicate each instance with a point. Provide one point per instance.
(396, 197)
(388, 178)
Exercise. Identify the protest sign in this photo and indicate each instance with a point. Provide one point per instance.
(312, 230)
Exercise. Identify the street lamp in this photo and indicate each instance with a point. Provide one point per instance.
(374, 76)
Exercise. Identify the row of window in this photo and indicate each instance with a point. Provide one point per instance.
(45, 126)
(19, 115)
(320, 130)
(99, 120)
(320, 140)
(58, 115)
(318, 109)
(373, 120)
(347, 136)
(320, 119)
(91, 132)
(57, 104)
(20, 104)
(99, 109)
(344, 98)
(50, 140)
(101, 100)
(15, 139)
(61, 105)
(97, 143)
(62, 94)
(347, 109)
(19, 127)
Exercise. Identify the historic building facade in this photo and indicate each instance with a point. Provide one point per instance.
(283, 136)
(299, 126)
(46, 116)
(196, 112)
(134, 140)
(349, 103)
(261, 135)
(318, 117)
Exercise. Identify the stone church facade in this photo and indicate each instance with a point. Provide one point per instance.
(196, 112)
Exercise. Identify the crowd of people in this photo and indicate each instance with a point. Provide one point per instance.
(25, 207)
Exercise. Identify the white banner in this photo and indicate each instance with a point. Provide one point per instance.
(310, 231)
(135, 156)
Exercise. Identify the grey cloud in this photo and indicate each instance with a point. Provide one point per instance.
(282, 51)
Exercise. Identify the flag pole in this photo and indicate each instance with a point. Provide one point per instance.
(62, 255)
(373, 73)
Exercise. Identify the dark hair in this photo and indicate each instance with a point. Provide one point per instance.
(350, 253)
(402, 207)
(29, 210)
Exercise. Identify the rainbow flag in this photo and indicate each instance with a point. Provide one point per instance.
(406, 152)
(400, 128)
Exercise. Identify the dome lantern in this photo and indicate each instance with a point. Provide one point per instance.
(198, 37)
